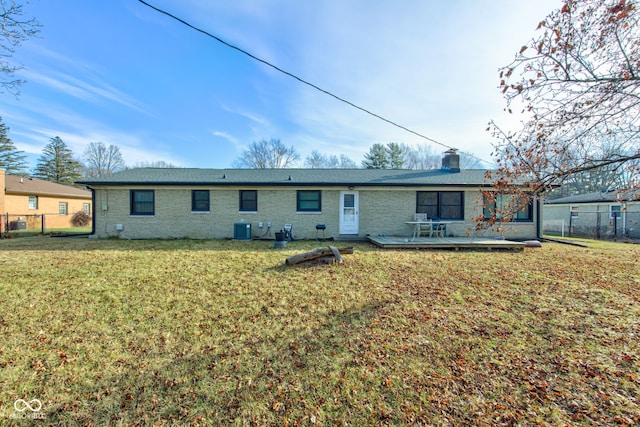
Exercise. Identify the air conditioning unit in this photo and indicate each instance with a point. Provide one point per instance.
(242, 231)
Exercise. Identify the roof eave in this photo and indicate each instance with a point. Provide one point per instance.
(280, 184)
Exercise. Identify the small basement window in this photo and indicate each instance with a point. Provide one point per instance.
(615, 211)
(573, 211)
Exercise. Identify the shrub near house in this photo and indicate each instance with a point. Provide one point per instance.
(26, 200)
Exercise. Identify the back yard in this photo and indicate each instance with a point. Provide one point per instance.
(109, 332)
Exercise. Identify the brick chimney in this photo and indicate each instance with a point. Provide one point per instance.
(451, 161)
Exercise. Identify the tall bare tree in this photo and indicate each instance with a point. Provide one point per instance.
(317, 160)
(14, 29)
(421, 157)
(267, 154)
(578, 84)
(152, 164)
(578, 80)
(101, 160)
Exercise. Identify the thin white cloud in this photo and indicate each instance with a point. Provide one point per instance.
(31, 132)
(255, 118)
(233, 140)
(441, 83)
(84, 90)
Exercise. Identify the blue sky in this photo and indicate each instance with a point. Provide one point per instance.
(120, 73)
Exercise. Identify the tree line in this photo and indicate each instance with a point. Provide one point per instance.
(273, 154)
(59, 164)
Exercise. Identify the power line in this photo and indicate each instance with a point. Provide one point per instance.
(326, 92)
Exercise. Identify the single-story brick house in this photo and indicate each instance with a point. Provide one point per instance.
(351, 203)
(27, 199)
(601, 214)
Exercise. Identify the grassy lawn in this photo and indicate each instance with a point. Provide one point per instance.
(48, 231)
(109, 332)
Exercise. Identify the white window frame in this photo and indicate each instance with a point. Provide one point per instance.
(618, 211)
(33, 202)
(574, 212)
(63, 208)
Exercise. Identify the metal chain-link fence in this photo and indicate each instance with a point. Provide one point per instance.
(603, 225)
(12, 225)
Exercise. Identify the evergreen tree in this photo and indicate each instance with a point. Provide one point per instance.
(396, 155)
(376, 158)
(11, 160)
(57, 164)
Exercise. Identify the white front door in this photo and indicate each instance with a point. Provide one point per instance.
(349, 212)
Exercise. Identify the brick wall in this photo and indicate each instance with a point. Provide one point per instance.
(381, 210)
(17, 205)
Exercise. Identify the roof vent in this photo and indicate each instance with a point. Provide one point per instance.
(451, 161)
(290, 179)
(224, 176)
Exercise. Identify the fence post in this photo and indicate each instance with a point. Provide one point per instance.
(42, 224)
(570, 225)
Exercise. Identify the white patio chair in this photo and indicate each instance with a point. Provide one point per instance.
(425, 225)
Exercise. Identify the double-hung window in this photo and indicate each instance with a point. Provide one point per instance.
(248, 200)
(63, 208)
(507, 207)
(33, 202)
(142, 202)
(200, 201)
(446, 205)
(309, 201)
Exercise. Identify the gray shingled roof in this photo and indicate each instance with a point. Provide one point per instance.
(291, 177)
(598, 196)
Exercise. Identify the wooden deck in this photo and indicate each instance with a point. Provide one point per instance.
(457, 243)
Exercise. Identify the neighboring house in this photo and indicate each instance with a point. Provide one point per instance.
(604, 214)
(26, 200)
(245, 203)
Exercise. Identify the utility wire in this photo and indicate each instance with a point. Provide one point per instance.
(206, 33)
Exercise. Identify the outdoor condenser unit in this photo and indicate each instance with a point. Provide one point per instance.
(242, 231)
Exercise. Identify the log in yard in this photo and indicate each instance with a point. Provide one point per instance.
(320, 253)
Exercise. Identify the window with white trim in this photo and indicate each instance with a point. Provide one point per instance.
(573, 211)
(615, 211)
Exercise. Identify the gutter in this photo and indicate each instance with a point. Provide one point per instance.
(280, 184)
(539, 217)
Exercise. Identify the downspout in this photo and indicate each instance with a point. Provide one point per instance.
(93, 212)
(539, 217)
(623, 211)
